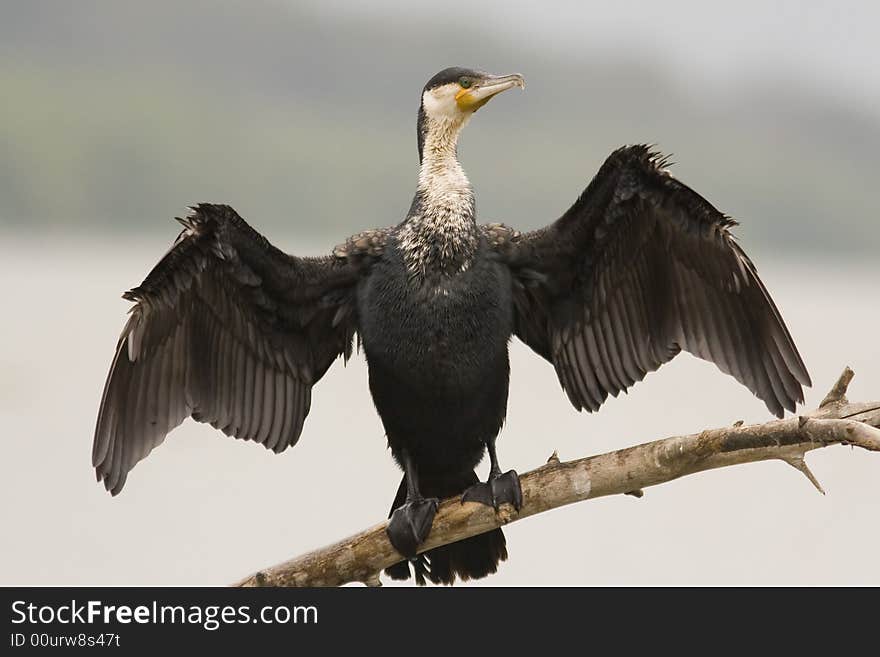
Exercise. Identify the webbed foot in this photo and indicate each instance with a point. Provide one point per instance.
(499, 489)
(410, 525)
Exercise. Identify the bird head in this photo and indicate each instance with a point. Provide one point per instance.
(451, 97)
(456, 93)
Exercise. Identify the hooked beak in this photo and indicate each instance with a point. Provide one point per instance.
(470, 100)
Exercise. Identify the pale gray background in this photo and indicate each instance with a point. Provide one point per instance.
(117, 114)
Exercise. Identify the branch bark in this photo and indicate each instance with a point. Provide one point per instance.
(360, 558)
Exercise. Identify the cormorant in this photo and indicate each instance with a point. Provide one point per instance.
(229, 330)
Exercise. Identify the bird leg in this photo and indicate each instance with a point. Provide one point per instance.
(411, 522)
(499, 488)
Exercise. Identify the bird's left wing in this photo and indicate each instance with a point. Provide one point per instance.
(639, 268)
(231, 331)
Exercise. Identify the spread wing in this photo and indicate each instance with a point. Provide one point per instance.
(226, 329)
(639, 268)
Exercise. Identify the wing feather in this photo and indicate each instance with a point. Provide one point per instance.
(638, 269)
(229, 330)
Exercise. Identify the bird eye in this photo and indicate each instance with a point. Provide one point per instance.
(465, 83)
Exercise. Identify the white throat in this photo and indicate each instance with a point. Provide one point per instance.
(440, 234)
(442, 181)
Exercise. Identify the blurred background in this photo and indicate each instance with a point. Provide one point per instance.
(117, 114)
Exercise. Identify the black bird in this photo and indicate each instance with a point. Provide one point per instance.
(229, 330)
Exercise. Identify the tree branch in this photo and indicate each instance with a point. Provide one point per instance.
(360, 558)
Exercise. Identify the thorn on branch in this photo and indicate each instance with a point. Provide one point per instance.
(554, 458)
(738, 423)
(837, 394)
(799, 464)
(638, 492)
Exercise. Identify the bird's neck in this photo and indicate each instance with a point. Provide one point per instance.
(440, 233)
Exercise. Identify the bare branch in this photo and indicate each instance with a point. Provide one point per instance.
(362, 557)
(838, 390)
(798, 463)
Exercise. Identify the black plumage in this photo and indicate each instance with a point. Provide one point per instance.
(231, 331)
(639, 268)
(228, 330)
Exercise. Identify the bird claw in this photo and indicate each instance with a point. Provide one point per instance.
(410, 525)
(500, 489)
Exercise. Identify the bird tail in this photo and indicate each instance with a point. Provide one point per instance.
(471, 558)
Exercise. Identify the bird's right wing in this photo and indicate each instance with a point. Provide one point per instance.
(638, 269)
(229, 330)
